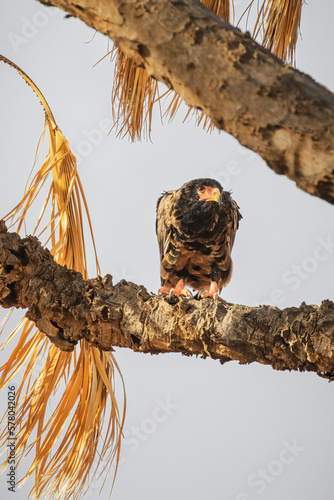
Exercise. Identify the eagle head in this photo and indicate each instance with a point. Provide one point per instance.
(201, 190)
(198, 204)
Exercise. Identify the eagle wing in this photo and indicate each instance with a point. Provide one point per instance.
(231, 218)
(223, 263)
(163, 223)
(169, 252)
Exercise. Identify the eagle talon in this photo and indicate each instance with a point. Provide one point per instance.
(213, 292)
(203, 294)
(184, 291)
(178, 290)
(200, 295)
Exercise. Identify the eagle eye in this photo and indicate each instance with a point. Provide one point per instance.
(201, 189)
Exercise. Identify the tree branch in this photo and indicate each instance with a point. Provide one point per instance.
(67, 308)
(278, 112)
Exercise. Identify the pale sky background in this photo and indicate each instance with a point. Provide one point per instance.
(195, 429)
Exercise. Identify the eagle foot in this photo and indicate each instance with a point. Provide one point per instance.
(185, 292)
(203, 294)
(213, 292)
(179, 289)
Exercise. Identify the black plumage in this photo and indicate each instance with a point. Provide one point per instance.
(196, 227)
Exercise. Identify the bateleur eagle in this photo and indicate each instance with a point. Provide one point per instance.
(196, 227)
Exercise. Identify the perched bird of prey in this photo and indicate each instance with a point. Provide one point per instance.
(196, 226)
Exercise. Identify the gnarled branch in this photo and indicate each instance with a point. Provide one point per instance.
(67, 308)
(278, 112)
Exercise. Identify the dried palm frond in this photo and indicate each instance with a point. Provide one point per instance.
(219, 7)
(200, 117)
(133, 95)
(134, 92)
(66, 442)
(279, 22)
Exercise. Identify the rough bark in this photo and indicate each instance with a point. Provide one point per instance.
(67, 308)
(278, 112)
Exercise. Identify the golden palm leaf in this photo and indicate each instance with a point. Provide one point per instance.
(134, 92)
(133, 95)
(279, 22)
(67, 442)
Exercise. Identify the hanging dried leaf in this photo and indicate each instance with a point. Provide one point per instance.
(200, 117)
(219, 7)
(279, 22)
(134, 92)
(133, 95)
(80, 436)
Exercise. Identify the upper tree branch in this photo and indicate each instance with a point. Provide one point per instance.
(67, 308)
(280, 113)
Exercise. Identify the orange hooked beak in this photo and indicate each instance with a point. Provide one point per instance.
(210, 194)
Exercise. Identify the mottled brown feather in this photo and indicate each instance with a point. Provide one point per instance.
(196, 237)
